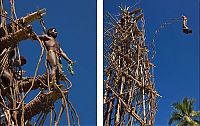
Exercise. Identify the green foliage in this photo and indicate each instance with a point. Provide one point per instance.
(183, 113)
(70, 68)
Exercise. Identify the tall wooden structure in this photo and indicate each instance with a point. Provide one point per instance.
(129, 91)
(14, 91)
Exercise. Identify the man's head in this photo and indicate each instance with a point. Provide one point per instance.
(52, 32)
(17, 62)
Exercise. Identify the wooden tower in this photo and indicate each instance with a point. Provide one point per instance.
(14, 91)
(129, 90)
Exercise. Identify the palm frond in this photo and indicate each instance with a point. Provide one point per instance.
(184, 114)
(190, 107)
(186, 104)
(197, 121)
(182, 123)
(195, 113)
(175, 117)
(179, 107)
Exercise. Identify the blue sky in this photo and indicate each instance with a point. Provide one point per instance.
(177, 57)
(76, 25)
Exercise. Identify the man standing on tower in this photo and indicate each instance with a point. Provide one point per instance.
(54, 53)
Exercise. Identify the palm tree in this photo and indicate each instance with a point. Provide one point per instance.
(184, 115)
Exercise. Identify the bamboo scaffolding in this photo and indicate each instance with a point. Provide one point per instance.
(14, 38)
(25, 84)
(129, 92)
(22, 28)
(21, 22)
(43, 101)
(14, 91)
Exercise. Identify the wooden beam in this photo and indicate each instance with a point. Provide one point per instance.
(22, 22)
(42, 103)
(14, 38)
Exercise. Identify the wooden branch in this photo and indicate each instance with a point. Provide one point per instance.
(40, 82)
(42, 103)
(22, 22)
(129, 110)
(22, 31)
(14, 38)
(25, 84)
(136, 11)
(31, 17)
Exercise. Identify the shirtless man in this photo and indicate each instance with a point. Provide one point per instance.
(54, 52)
(185, 27)
(13, 69)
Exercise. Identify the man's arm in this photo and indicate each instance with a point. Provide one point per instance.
(41, 37)
(64, 55)
(70, 62)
